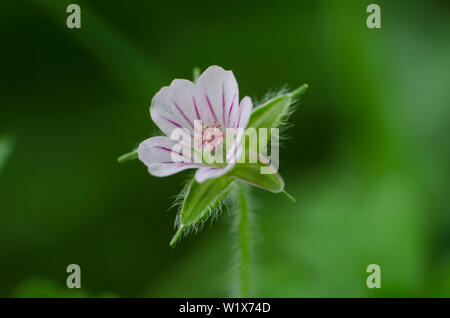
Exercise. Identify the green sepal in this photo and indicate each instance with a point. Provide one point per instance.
(251, 174)
(199, 202)
(128, 156)
(271, 113)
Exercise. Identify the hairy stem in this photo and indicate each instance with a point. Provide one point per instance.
(244, 242)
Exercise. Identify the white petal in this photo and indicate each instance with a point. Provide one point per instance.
(217, 93)
(205, 173)
(156, 154)
(245, 110)
(173, 107)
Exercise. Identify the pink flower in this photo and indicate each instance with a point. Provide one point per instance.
(213, 100)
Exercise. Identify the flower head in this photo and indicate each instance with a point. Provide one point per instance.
(204, 111)
(204, 125)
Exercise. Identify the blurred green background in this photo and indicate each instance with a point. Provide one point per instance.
(367, 158)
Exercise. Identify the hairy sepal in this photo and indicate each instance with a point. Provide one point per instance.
(275, 111)
(252, 173)
(199, 201)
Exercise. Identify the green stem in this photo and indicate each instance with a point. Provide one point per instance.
(244, 243)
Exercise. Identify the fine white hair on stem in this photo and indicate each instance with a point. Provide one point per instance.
(235, 262)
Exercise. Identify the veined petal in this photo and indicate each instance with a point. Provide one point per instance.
(245, 110)
(156, 154)
(172, 107)
(217, 93)
(204, 173)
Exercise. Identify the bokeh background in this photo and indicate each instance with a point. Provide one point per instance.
(367, 158)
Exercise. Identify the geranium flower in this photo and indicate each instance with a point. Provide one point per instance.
(207, 112)
(212, 101)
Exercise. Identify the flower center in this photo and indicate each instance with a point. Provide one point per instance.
(212, 137)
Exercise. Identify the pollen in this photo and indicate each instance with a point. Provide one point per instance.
(212, 137)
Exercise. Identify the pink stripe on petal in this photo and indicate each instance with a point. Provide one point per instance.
(223, 104)
(210, 107)
(179, 163)
(231, 108)
(183, 114)
(170, 150)
(173, 122)
(176, 124)
(196, 108)
(163, 148)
